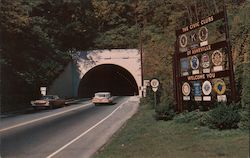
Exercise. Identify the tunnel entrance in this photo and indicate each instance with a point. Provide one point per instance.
(108, 78)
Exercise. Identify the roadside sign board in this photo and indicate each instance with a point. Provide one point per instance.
(146, 82)
(203, 67)
(43, 90)
(155, 84)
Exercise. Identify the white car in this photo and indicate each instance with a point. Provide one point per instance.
(102, 98)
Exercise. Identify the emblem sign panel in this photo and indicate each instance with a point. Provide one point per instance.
(193, 38)
(206, 88)
(186, 89)
(205, 61)
(203, 34)
(219, 86)
(184, 66)
(194, 62)
(217, 58)
(183, 41)
(197, 91)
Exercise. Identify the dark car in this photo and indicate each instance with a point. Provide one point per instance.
(49, 101)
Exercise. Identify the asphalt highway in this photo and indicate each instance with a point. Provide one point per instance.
(75, 131)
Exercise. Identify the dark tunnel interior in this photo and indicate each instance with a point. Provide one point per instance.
(107, 78)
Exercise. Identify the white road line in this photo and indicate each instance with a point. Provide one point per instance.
(72, 141)
(42, 118)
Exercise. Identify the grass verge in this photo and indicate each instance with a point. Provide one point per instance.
(144, 137)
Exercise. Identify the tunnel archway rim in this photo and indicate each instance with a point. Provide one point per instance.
(99, 65)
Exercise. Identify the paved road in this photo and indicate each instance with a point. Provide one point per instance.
(75, 131)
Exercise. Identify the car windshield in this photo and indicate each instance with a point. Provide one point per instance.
(47, 97)
(105, 95)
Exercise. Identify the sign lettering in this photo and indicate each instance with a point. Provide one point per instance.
(199, 50)
(202, 22)
(196, 77)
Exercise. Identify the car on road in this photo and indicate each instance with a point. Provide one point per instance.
(102, 98)
(49, 101)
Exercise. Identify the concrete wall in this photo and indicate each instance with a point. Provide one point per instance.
(66, 85)
(66, 82)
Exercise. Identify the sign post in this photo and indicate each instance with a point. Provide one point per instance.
(154, 84)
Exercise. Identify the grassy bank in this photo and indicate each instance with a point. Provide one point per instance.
(144, 137)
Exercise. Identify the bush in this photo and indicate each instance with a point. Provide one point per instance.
(222, 117)
(203, 120)
(165, 111)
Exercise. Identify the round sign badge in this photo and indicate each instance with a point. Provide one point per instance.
(183, 40)
(193, 37)
(186, 89)
(205, 61)
(219, 86)
(194, 62)
(206, 88)
(154, 83)
(203, 34)
(217, 58)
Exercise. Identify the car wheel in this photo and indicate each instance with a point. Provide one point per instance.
(51, 106)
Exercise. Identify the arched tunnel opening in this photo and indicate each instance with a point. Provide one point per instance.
(107, 78)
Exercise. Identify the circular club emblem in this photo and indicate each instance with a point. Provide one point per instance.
(205, 61)
(193, 37)
(194, 62)
(203, 34)
(206, 88)
(217, 58)
(154, 83)
(183, 40)
(219, 86)
(186, 89)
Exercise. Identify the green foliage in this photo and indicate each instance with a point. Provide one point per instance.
(244, 121)
(204, 119)
(38, 35)
(222, 117)
(186, 117)
(165, 110)
(14, 16)
(246, 85)
(121, 37)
